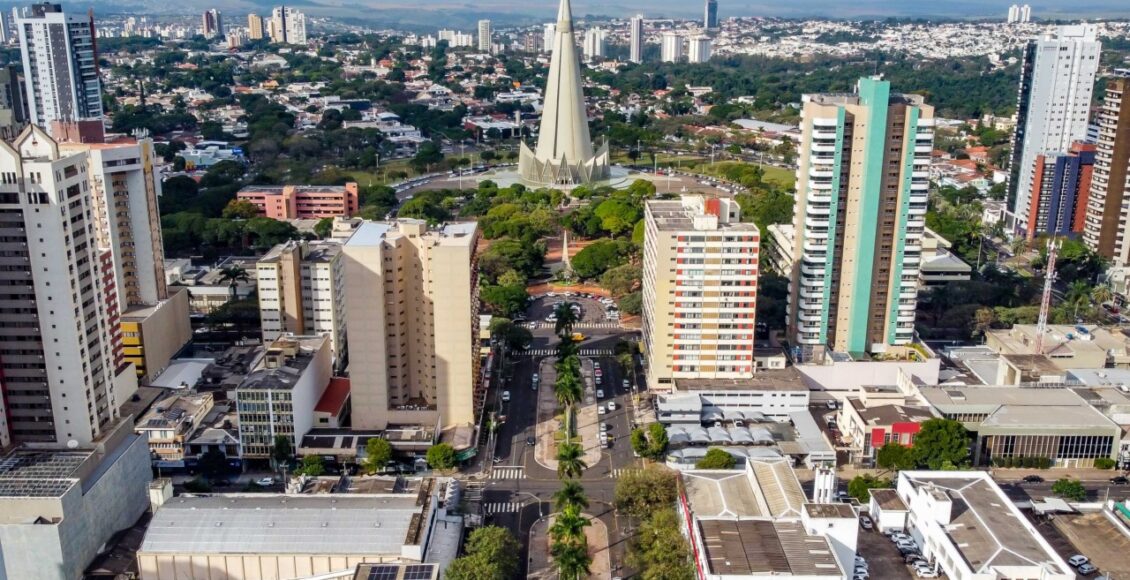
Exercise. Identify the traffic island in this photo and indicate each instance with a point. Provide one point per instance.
(541, 563)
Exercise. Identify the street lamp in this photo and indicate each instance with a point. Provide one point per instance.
(536, 499)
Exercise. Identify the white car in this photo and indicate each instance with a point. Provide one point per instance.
(600, 410)
(611, 405)
(505, 396)
(1078, 560)
(265, 481)
(551, 294)
(926, 572)
(599, 394)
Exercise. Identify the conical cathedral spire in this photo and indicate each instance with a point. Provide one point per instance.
(564, 152)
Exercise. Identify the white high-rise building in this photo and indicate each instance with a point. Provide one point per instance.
(700, 265)
(699, 48)
(58, 364)
(1013, 14)
(1025, 13)
(672, 47)
(1054, 103)
(1018, 14)
(635, 39)
(213, 24)
(595, 44)
(60, 72)
(549, 32)
(301, 292)
(484, 36)
(287, 26)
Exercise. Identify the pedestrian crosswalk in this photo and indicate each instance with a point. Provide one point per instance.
(578, 326)
(595, 352)
(498, 507)
(539, 352)
(553, 352)
(617, 473)
(508, 472)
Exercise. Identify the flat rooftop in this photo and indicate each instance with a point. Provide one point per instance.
(985, 526)
(449, 234)
(397, 572)
(286, 375)
(675, 215)
(890, 414)
(278, 189)
(375, 526)
(787, 379)
(318, 251)
(746, 547)
(1060, 339)
(888, 499)
(33, 473)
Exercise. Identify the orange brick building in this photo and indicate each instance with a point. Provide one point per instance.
(283, 202)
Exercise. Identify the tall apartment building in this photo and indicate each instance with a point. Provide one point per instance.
(860, 213)
(700, 269)
(301, 292)
(13, 109)
(212, 25)
(594, 45)
(287, 26)
(635, 39)
(699, 48)
(484, 37)
(288, 202)
(1108, 205)
(59, 63)
(671, 49)
(255, 27)
(548, 33)
(412, 300)
(1061, 184)
(1056, 81)
(710, 18)
(56, 354)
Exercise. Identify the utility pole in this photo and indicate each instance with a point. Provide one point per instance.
(1046, 300)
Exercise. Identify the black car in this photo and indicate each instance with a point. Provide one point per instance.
(531, 441)
(1120, 480)
(909, 551)
(912, 558)
(1033, 479)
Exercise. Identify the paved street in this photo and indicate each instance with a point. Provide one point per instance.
(516, 490)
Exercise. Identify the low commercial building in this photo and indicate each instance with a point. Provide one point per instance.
(209, 287)
(153, 335)
(278, 397)
(970, 530)
(1052, 422)
(170, 423)
(757, 524)
(940, 265)
(60, 506)
(867, 428)
(287, 536)
(767, 396)
(1068, 347)
(288, 202)
(887, 510)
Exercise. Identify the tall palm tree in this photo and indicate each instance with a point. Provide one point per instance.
(571, 560)
(569, 526)
(570, 460)
(568, 390)
(233, 275)
(566, 318)
(1102, 294)
(571, 494)
(566, 348)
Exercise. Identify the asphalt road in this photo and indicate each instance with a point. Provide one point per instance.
(517, 490)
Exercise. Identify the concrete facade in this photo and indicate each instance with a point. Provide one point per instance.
(59, 64)
(153, 335)
(862, 181)
(1107, 216)
(288, 202)
(412, 299)
(700, 271)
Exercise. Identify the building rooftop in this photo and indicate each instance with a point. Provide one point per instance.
(397, 572)
(283, 363)
(890, 414)
(688, 213)
(377, 526)
(334, 397)
(317, 251)
(830, 510)
(986, 399)
(771, 491)
(787, 379)
(448, 234)
(175, 411)
(985, 526)
(1061, 340)
(278, 189)
(888, 499)
(32, 473)
(746, 547)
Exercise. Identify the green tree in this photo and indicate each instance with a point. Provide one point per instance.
(506, 301)
(570, 460)
(312, 465)
(657, 441)
(378, 452)
(895, 456)
(233, 275)
(282, 451)
(571, 560)
(941, 440)
(716, 458)
(324, 227)
(428, 154)
(571, 494)
(640, 492)
(490, 553)
(631, 303)
(240, 209)
(639, 442)
(1071, 489)
(566, 318)
(859, 487)
(659, 550)
(598, 257)
(441, 456)
(622, 279)
(569, 525)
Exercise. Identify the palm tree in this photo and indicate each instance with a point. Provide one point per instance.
(569, 526)
(566, 318)
(568, 390)
(571, 494)
(1078, 293)
(570, 460)
(233, 275)
(566, 348)
(1101, 294)
(571, 560)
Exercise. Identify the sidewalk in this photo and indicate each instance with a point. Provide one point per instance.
(587, 419)
(541, 565)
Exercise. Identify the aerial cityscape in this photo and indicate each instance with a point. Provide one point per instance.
(666, 291)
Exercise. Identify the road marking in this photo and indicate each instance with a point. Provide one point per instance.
(501, 507)
(579, 325)
(553, 352)
(508, 472)
(615, 473)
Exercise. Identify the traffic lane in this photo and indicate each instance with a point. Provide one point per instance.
(519, 412)
(620, 419)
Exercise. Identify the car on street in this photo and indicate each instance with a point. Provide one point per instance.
(531, 441)
(604, 427)
(601, 409)
(1120, 480)
(265, 481)
(599, 394)
(611, 405)
(1033, 479)
(866, 523)
(1078, 560)
(626, 383)
(1087, 569)
(505, 396)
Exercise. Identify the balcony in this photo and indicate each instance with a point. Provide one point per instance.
(812, 270)
(814, 172)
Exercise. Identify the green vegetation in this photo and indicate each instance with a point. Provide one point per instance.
(490, 553)
(441, 456)
(378, 452)
(600, 257)
(941, 444)
(1104, 463)
(895, 456)
(282, 451)
(716, 458)
(860, 486)
(1071, 489)
(651, 443)
(659, 550)
(641, 492)
(311, 465)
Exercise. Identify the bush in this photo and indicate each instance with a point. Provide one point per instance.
(640, 492)
(716, 458)
(1104, 463)
(441, 456)
(861, 485)
(1069, 489)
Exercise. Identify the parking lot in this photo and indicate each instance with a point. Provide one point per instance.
(592, 310)
(1105, 545)
(883, 559)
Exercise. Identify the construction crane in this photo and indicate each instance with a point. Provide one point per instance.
(1046, 299)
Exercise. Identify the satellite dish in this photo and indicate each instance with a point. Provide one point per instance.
(72, 444)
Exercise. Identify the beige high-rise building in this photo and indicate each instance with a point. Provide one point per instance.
(700, 267)
(412, 301)
(301, 292)
(1108, 205)
(862, 180)
(254, 26)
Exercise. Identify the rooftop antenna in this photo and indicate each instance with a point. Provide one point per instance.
(1046, 300)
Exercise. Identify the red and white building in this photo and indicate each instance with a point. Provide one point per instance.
(287, 202)
(700, 271)
(867, 428)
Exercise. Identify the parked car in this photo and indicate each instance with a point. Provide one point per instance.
(505, 396)
(1078, 560)
(925, 572)
(1033, 479)
(265, 481)
(1087, 569)
(1120, 480)
(531, 441)
(913, 558)
(605, 427)
(866, 523)
(600, 410)
(611, 405)
(599, 394)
